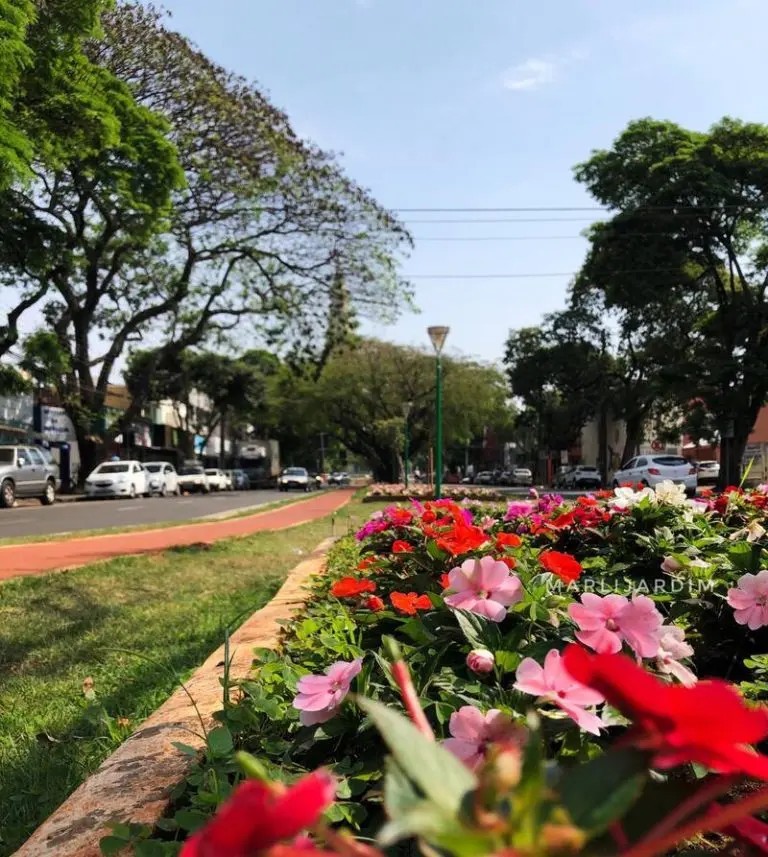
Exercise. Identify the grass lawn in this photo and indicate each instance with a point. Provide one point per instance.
(133, 626)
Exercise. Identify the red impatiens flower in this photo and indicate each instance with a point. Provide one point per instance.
(374, 604)
(349, 587)
(366, 562)
(401, 546)
(508, 540)
(410, 602)
(567, 519)
(461, 539)
(708, 723)
(399, 517)
(562, 565)
(260, 815)
(445, 581)
(509, 561)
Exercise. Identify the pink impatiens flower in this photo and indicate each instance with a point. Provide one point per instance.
(749, 599)
(484, 586)
(553, 683)
(605, 623)
(319, 697)
(672, 647)
(473, 732)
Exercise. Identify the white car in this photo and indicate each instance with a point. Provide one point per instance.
(522, 476)
(217, 479)
(118, 479)
(652, 469)
(193, 479)
(295, 477)
(163, 478)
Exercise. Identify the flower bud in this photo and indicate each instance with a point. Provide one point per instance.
(481, 661)
(670, 565)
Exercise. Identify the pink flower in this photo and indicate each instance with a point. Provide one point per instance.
(749, 599)
(672, 647)
(518, 509)
(481, 661)
(605, 622)
(484, 586)
(319, 697)
(553, 683)
(472, 732)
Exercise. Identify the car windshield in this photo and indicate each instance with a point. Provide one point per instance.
(153, 468)
(708, 465)
(670, 460)
(586, 469)
(212, 472)
(113, 468)
(192, 471)
(295, 471)
(6, 456)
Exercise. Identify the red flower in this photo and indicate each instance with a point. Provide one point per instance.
(399, 517)
(349, 587)
(260, 815)
(563, 565)
(709, 723)
(589, 501)
(461, 539)
(508, 540)
(401, 546)
(567, 519)
(747, 829)
(509, 561)
(374, 604)
(366, 562)
(445, 581)
(409, 603)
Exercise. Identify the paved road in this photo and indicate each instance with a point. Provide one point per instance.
(35, 520)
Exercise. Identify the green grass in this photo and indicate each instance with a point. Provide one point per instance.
(133, 625)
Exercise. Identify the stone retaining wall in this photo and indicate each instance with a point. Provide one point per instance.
(133, 784)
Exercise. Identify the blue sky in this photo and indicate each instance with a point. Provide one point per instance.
(486, 104)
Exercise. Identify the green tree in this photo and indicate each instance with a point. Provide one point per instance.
(684, 258)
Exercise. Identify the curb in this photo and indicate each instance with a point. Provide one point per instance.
(134, 783)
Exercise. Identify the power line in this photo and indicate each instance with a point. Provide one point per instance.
(464, 220)
(505, 238)
(641, 209)
(534, 274)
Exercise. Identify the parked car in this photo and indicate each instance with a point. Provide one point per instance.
(582, 476)
(118, 479)
(708, 472)
(485, 477)
(217, 479)
(193, 479)
(522, 476)
(340, 478)
(238, 479)
(560, 475)
(26, 472)
(295, 477)
(163, 478)
(652, 469)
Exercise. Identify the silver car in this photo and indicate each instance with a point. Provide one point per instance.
(26, 472)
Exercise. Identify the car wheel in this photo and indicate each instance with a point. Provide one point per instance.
(7, 494)
(644, 483)
(49, 497)
(615, 483)
(163, 492)
(132, 492)
(177, 492)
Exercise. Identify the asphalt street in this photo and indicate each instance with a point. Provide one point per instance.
(31, 519)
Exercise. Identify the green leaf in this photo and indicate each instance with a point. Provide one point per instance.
(479, 632)
(507, 662)
(423, 820)
(191, 819)
(440, 775)
(220, 741)
(112, 845)
(185, 748)
(599, 792)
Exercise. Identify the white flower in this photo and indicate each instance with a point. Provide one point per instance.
(752, 532)
(672, 647)
(625, 498)
(671, 494)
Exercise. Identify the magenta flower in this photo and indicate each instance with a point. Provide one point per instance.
(553, 683)
(377, 524)
(319, 697)
(605, 623)
(472, 732)
(518, 509)
(749, 599)
(549, 502)
(484, 586)
(672, 647)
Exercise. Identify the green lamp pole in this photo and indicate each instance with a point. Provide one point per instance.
(437, 336)
(406, 413)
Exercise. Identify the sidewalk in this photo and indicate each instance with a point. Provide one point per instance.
(38, 558)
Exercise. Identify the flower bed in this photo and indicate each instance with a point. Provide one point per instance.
(399, 493)
(547, 656)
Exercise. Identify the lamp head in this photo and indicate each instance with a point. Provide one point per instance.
(437, 336)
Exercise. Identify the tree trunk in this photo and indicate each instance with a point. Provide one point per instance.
(602, 444)
(635, 425)
(732, 454)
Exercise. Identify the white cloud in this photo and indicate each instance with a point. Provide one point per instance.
(539, 71)
(530, 74)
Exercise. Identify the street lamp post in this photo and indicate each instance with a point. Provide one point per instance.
(437, 336)
(406, 413)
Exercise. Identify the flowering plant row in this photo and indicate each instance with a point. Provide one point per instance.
(543, 678)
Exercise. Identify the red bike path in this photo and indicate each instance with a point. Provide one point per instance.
(42, 557)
